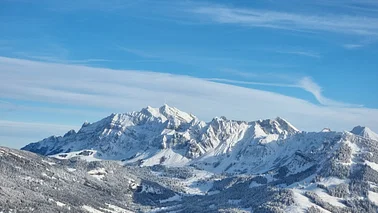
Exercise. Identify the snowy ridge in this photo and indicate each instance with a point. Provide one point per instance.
(163, 135)
(168, 136)
(259, 166)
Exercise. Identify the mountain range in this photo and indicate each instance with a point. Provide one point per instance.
(166, 160)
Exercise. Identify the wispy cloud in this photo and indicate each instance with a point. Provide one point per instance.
(57, 54)
(301, 53)
(358, 25)
(251, 82)
(66, 61)
(137, 52)
(309, 85)
(305, 83)
(360, 44)
(93, 5)
(50, 51)
(352, 46)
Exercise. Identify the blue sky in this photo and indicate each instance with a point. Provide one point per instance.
(321, 54)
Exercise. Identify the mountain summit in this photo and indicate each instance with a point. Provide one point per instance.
(365, 132)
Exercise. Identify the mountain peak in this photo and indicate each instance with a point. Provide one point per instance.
(165, 106)
(326, 129)
(165, 109)
(85, 124)
(71, 132)
(173, 112)
(276, 126)
(150, 111)
(166, 112)
(364, 132)
(286, 125)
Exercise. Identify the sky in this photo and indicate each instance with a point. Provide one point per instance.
(314, 63)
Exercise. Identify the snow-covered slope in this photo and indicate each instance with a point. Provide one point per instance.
(365, 132)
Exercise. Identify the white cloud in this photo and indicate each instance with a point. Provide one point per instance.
(352, 46)
(309, 85)
(305, 83)
(301, 53)
(360, 25)
(128, 90)
(137, 52)
(251, 82)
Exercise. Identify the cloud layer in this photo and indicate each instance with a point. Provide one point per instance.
(356, 25)
(128, 90)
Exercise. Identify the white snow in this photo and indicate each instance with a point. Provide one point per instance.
(328, 198)
(174, 198)
(89, 158)
(195, 186)
(330, 181)
(48, 162)
(302, 203)
(91, 209)
(164, 209)
(372, 165)
(365, 132)
(71, 169)
(60, 204)
(171, 158)
(98, 173)
(115, 209)
(373, 197)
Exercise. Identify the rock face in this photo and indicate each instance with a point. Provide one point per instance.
(260, 166)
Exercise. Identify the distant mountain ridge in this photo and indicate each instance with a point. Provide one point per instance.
(222, 162)
(125, 136)
(168, 136)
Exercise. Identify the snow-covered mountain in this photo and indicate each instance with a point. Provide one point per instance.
(365, 132)
(164, 135)
(226, 160)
